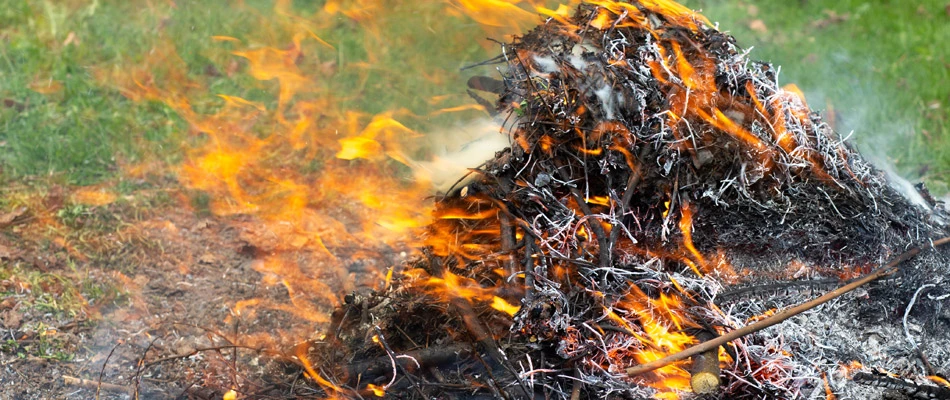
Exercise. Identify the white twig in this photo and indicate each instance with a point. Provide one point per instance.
(907, 312)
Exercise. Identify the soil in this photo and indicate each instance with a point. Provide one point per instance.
(179, 276)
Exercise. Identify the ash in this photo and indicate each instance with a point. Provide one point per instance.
(660, 189)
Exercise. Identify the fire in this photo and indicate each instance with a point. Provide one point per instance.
(497, 13)
(686, 226)
(504, 306)
(939, 381)
(323, 178)
(318, 181)
(659, 327)
(850, 368)
(376, 390)
(452, 286)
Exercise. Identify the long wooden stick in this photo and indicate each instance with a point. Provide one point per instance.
(885, 270)
(94, 385)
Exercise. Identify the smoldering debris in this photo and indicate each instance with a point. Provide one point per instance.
(661, 189)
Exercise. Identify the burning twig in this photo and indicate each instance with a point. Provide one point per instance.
(912, 389)
(885, 270)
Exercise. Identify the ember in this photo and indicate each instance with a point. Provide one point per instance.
(660, 188)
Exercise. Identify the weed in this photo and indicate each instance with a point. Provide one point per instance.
(73, 215)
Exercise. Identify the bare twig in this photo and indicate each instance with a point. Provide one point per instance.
(632, 182)
(913, 300)
(910, 338)
(578, 384)
(196, 351)
(392, 357)
(914, 389)
(596, 227)
(529, 268)
(481, 334)
(140, 366)
(885, 270)
(427, 357)
(103, 369)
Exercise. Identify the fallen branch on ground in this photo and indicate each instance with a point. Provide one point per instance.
(95, 385)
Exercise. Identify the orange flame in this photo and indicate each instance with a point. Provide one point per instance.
(323, 182)
(453, 286)
(686, 226)
(662, 321)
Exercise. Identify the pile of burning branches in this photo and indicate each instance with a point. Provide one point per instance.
(661, 190)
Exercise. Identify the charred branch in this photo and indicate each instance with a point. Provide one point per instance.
(910, 388)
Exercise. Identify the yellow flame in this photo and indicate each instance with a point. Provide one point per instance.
(378, 391)
(504, 306)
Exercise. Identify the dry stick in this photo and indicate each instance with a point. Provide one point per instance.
(529, 269)
(530, 249)
(196, 351)
(604, 249)
(887, 269)
(596, 227)
(632, 182)
(474, 326)
(508, 241)
(578, 384)
(139, 368)
(91, 384)
(103, 369)
(392, 357)
(431, 357)
(481, 334)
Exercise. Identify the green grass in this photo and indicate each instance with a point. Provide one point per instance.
(56, 294)
(881, 66)
(59, 117)
(82, 127)
(78, 128)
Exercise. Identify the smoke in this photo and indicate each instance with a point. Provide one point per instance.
(856, 115)
(899, 183)
(450, 153)
(842, 80)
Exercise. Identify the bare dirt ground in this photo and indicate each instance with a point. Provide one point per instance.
(137, 293)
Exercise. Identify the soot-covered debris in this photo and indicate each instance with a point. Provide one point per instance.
(660, 189)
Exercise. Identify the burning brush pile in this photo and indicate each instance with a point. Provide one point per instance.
(661, 191)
